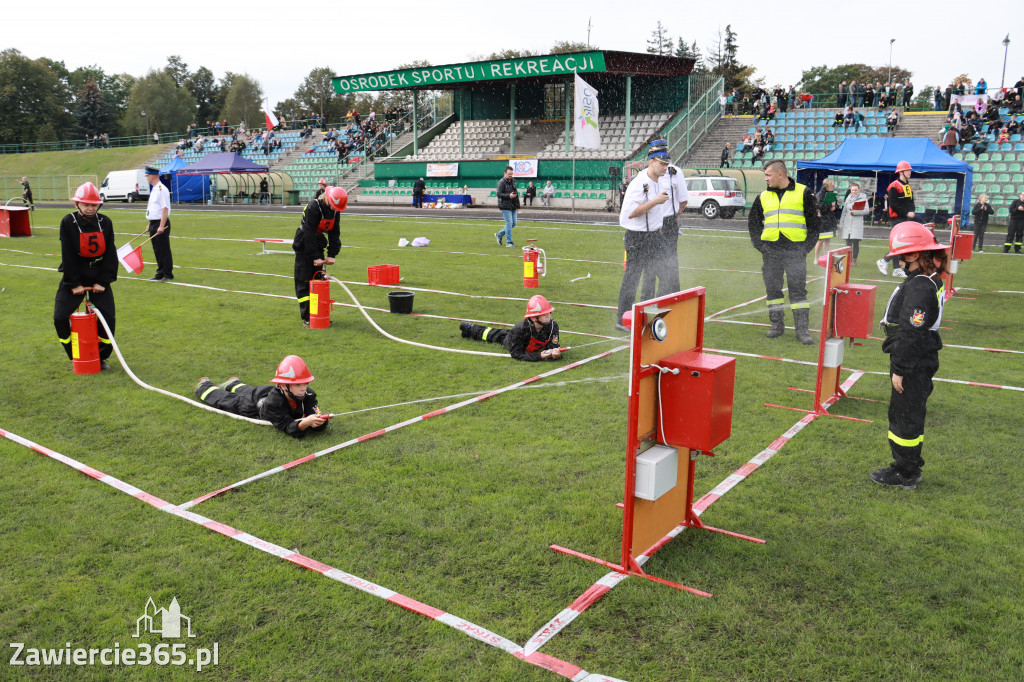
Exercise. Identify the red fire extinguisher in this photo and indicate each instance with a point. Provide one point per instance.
(85, 343)
(320, 301)
(534, 265)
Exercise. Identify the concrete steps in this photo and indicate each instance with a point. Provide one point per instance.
(708, 152)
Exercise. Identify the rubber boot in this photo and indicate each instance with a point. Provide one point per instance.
(778, 324)
(800, 320)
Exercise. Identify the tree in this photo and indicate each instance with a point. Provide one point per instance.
(691, 52)
(316, 95)
(823, 79)
(34, 100)
(244, 100)
(177, 70)
(659, 42)
(509, 54)
(117, 89)
(77, 79)
(203, 87)
(567, 46)
(288, 108)
(94, 113)
(722, 58)
(157, 105)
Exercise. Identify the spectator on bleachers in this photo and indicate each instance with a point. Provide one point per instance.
(937, 98)
(748, 142)
(892, 119)
(549, 192)
(156, 138)
(869, 95)
(1013, 126)
(1004, 135)
(981, 211)
(979, 147)
(1016, 105)
(908, 93)
(981, 88)
(837, 120)
(530, 194)
(849, 119)
(855, 90)
(843, 92)
(769, 139)
(950, 140)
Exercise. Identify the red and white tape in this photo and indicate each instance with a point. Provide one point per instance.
(481, 634)
(610, 580)
(395, 427)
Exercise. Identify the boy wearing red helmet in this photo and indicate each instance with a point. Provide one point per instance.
(319, 230)
(532, 340)
(288, 403)
(911, 324)
(899, 198)
(88, 261)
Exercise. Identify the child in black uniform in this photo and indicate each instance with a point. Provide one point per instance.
(318, 231)
(533, 339)
(911, 323)
(88, 260)
(287, 403)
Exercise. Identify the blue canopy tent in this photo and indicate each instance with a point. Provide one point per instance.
(188, 188)
(877, 157)
(222, 163)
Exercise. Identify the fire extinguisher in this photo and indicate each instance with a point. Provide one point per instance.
(320, 301)
(85, 343)
(534, 265)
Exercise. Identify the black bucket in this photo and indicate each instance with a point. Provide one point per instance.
(401, 301)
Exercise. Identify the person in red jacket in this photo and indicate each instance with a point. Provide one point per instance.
(88, 262)
(532, 340)
(287, 402)
(900, 201)
(911, 322)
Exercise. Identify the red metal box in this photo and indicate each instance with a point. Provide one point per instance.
(855, 311)
(696, 403)
(963, 246)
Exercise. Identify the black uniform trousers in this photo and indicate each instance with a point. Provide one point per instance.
(304, 271)
(1014, 236)
(162, 248)
(641, 248)
(239, 398)
(979, 236)
(66, 303)
(906, 418)
(895, 260)
(478, 332)
(778, 261)
(665, 265)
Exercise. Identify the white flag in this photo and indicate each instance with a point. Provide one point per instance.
(272, 121)
(586, 132)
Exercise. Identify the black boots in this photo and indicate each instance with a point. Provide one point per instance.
(800, 319)
(778, 323)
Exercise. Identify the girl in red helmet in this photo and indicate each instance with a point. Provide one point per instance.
(88, 261)
(288, 403)
(911, 324)
(532, 340)
(319, 230)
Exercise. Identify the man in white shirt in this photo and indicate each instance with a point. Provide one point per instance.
(641, 215)
(665, 258)
(157, 213)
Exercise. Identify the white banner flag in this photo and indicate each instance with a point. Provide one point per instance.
(586, 132)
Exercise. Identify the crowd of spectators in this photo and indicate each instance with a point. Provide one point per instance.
(991, 121)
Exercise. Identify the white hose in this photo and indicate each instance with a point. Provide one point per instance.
(127, 369)
(411, 343)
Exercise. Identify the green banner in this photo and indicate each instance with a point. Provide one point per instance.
(525, 67)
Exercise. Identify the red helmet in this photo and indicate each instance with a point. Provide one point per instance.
(292, 370)
(87, 194)
(903, 166)
(908, 237)
(322, 182)
(337, 197)
(538, 306)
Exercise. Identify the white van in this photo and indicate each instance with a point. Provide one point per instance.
(125, 185)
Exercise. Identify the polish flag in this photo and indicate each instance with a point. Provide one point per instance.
(272, 121)
(131, 259)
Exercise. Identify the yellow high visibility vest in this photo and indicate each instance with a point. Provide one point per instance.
(784, 215)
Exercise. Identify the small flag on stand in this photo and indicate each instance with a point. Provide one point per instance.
(272, 121)
(131, 258)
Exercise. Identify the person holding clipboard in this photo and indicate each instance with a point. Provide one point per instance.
(851, 222)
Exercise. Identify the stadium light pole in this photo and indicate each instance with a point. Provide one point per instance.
(891, 41)
(1006, 50)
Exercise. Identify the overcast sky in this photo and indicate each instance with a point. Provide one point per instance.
(279, 44)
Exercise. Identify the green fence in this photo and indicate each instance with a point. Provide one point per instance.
(44, 187)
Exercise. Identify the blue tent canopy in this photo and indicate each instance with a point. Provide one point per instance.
(878, 156)
(223, 162)
(188, 188)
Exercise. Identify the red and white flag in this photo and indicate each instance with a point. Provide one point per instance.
(272, 121)
(131, 258)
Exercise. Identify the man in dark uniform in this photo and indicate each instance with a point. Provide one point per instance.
(288, 403)
(158, 212)
(418, 188)
(1015, 232)
(899, 198)
(322, 183)
(319, 230)
(26, 194)
(88, 260)
(784, 225)
(532, 340)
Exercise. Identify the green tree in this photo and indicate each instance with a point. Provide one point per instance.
(117, 89)
(157, 105)
(660, 42)
(177, 69)
(203, 86)
(244, 101)
(567, 46)
(77, 79)
(316, 95)
(509, 54)
(724, 62)
(825, 79)
(93, 112)
(34, 99)
(287, 109)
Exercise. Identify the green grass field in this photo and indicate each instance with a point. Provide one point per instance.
(47, 171)
(855, 582)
